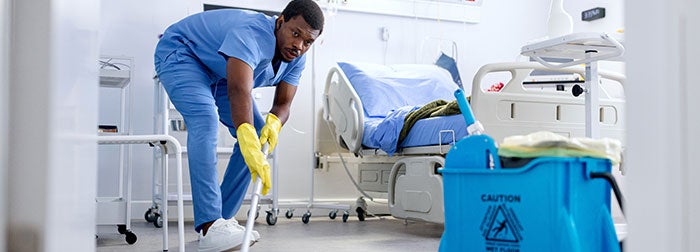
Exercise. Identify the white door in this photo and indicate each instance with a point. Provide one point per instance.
(4, 58)
(51, 117)
(663, 121)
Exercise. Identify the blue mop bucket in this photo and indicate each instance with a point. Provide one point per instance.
(550, 204)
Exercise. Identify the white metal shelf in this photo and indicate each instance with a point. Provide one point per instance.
(116, 209)
(219, 150)
(115, 78)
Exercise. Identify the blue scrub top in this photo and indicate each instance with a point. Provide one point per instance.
(213, 36)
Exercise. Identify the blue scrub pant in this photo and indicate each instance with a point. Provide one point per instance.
(202, 99)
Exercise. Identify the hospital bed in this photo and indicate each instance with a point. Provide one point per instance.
(359, 96)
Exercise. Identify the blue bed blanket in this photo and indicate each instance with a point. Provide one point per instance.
(383, 133)
(389, 93)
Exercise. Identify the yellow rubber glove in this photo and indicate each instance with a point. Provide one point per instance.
(270, 131)
(253, 155)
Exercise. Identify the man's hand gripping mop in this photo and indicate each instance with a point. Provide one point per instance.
(257, 189)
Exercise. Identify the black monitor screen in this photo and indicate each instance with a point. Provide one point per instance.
(216, 7)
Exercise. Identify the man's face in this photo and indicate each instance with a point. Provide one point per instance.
(294, 37)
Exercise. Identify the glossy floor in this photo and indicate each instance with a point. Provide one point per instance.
(320, 234)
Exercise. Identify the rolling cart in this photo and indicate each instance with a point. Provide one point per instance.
(167, 145)
(115, 208)
(115, 73)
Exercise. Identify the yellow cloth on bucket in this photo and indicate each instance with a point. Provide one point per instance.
(545, 143)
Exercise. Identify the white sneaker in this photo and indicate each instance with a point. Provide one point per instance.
(256, 235)
(221, 236)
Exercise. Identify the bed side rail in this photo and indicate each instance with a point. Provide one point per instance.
(515, 110)
(521, 70)
(342, 108)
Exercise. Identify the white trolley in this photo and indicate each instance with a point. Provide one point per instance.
(581, 48)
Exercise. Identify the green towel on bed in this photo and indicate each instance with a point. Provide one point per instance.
(432, 109)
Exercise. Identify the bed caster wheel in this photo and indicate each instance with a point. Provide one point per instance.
(158, 222)
(130, 237)
(289, 214)
(333, 214)
(577, 90)
(345, 216)
(360, 213)
(271, 218)
(361, 209)
(121, 229)
(150, 215)
(305, 218)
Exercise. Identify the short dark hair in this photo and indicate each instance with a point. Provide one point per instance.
(308, 9)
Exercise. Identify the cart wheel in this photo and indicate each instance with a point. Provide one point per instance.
(306, 217)
(257, 214)
(345, 216)
(130, 237)
(289, 214)
(150, 215)
(332, 215)
(121, 229)
(159, 221)
(271, 218)
(360, 213)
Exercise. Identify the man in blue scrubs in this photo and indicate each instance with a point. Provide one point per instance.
(208, 64)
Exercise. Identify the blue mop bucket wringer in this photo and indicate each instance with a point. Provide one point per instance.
(549, 204)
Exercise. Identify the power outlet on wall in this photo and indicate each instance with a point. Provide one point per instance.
(384, 32)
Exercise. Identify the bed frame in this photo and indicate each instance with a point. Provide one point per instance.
(414, 186)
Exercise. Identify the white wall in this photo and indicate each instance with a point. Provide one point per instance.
(130, 29)
(504, 27)
(52, 120)
(662, 61)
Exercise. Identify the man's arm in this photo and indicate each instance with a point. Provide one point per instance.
(239, 78)
(284, 94)
(240, 82)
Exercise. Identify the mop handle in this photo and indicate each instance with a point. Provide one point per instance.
(474, 127)
(257, 188)
(464, 107)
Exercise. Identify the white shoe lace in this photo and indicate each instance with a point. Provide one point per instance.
(233, 224)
